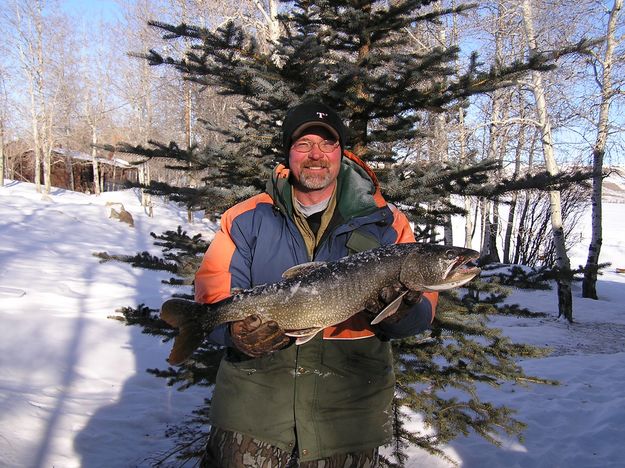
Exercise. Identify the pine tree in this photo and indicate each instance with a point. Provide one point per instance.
(354, 56)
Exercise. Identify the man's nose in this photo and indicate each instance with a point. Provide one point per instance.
(315, 152)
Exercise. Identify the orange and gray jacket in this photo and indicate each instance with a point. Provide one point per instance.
(332, 394)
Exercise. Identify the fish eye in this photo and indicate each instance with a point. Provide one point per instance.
(450, 255)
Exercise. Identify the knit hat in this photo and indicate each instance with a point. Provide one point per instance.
(310, 114)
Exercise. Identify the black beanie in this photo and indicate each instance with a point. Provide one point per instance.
(310, 114)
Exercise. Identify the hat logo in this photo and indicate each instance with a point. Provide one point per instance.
(322, 115)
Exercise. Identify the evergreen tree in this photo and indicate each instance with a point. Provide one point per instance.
(353, 55)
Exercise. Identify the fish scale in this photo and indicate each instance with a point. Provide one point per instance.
(319, 295)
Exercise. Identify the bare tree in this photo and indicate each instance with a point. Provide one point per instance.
(28, 24)
(565, 298)
(489, 251)
(3, 115)
(519, 147)
(603, 71)
(40, 34)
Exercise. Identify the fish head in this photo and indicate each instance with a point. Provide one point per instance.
(438, 267)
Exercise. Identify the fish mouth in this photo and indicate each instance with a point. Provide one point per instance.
(458, 273)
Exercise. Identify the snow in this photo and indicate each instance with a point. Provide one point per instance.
(73, 386)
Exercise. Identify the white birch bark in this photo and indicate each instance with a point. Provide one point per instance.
(565, 301)
(3, 116)
(490, 226)
(94, 159)
(469, 205)
(589, 285)
(269, 11)
(26, 46)
(513, 203)
(1, 151)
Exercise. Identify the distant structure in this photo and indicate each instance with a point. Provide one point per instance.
(73, 170)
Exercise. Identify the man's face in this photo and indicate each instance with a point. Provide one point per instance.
(315, 169)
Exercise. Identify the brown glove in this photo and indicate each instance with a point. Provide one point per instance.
(254, 338)
(387, 295)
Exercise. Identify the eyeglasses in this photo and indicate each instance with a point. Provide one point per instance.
(306, 146)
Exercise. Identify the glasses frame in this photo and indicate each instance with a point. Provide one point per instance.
(334, 144)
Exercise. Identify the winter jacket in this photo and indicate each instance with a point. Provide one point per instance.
(332, 394)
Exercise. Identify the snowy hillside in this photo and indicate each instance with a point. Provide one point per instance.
(614, 186)
(73, 386)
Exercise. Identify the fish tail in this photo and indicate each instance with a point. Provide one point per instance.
(185, 316)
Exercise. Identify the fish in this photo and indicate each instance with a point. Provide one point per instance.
(316, 295)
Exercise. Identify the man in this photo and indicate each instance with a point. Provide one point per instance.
(326, 402)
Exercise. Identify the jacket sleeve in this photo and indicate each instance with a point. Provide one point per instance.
(401, 226)
(226, 263)
(217, 275)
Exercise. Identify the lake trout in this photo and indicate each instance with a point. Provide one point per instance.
(316, 295)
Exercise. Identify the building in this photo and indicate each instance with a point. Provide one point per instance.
(73, 170)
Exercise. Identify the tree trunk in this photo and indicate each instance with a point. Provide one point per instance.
(441, 142)
(360, 120)
(36, 139)
(144, 179)
(94, 159)
(565, 297)
(34, 77)
(488, 252)
(469, 225)
(589, 285)
(187, 132)
(1, 152)
(513, 201)
(47, 152)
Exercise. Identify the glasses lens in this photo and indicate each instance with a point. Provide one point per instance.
(327, 146)
(303, 146)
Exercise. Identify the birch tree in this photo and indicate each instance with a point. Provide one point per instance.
(41, 41)
(28, 25)
(603, 67)
(3, 115)
(565, 298)
(489, 252)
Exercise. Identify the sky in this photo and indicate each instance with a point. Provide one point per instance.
(74, 391)
(107, 9)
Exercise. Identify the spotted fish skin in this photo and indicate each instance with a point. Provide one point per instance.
(319, 295)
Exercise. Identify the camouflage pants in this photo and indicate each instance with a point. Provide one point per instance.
(226, 449)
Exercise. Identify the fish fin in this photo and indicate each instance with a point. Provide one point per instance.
(303, 269)
(389, 309)
(183, 315)
(452, 284)
(301, 339)
(302, 332)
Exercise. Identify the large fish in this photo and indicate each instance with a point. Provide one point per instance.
(317, 295)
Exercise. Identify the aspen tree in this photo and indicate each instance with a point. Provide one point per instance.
(565, 297)
(605, 65)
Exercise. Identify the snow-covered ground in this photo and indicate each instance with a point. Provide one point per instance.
(73, 386)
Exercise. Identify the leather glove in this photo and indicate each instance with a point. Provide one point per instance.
(387, 295)
(254, 338)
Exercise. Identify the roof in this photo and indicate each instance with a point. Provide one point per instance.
(74, 154)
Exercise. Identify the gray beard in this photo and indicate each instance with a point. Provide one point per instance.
(315, 182)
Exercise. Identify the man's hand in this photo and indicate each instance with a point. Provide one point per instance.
(388, 295)
(256, 339)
